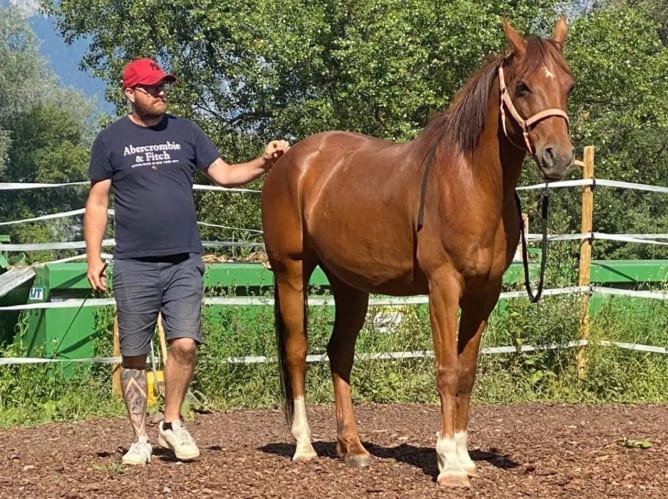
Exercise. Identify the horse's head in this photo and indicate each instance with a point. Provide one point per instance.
(535, 82)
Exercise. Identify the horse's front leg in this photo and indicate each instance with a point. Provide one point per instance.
(444, 294)
(475, 312)
(351, 306)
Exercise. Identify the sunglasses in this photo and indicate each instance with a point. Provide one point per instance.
(152, 90)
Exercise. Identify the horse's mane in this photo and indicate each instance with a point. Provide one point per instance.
(463, 121)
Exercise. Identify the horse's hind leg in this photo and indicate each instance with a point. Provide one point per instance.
(350, 310)
(291, 281)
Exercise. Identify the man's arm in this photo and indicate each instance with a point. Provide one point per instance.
(234, 175)
(95, 223)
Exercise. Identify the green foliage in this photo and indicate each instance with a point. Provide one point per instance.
(43, 138)
(46, 147)
(631, 443)
(21, 63)
(235, 217)
(237, 332)
(252, 70)
(620, 106)
(294, 68)
(35, 393)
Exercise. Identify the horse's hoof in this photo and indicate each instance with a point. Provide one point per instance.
(471, 471)
(304, 455)
(357, 460)
(454, 479)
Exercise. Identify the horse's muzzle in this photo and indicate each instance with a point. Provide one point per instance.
(553, 162)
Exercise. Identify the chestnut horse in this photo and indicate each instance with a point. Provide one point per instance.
(435, 215)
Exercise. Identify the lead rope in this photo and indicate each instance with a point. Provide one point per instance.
(543, 246)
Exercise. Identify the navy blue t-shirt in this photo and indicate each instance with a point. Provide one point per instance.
(151, 172)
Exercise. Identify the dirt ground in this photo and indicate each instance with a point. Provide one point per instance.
(530, 450)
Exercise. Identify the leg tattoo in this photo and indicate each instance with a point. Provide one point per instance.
(135, 389)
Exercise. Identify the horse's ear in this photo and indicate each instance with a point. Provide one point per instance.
(559, 34)
(517, 43)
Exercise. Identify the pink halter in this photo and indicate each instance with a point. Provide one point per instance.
(526, 125)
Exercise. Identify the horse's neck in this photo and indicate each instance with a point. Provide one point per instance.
(495, 162)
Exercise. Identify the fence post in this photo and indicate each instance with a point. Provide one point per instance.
(116, 368)
(585, 255)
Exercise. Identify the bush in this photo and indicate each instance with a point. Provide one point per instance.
(34, 393)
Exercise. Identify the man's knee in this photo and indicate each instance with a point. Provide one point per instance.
(134, 362)
(183, 349)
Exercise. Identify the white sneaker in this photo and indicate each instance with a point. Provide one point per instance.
(179, 440)
(138, 453)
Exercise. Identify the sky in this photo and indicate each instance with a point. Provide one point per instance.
(61, 58)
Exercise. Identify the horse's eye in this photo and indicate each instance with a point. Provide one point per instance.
(522, 89)
(570, 89)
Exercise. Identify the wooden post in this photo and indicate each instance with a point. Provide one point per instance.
(116, 368)
(159, 375)
(162, 340)
(585, 255)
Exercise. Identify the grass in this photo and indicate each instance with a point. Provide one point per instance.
(32, 394)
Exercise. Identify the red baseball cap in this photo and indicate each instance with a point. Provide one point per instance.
(144, 72)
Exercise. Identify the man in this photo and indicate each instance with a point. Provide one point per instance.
(147, 160)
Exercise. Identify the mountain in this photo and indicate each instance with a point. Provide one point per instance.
(61, 58)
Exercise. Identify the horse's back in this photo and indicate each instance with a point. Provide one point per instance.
(337, 170)
(352, 199)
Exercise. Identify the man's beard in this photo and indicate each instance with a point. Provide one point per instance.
(152, 111)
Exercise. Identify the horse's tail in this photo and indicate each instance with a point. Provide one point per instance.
(286, 386)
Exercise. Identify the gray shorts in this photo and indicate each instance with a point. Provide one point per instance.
(144, 287)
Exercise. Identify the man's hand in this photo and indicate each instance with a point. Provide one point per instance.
(274, 150)
(97, 275)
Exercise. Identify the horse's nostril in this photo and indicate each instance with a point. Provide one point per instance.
(548, 156)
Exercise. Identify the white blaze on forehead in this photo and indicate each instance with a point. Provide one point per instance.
(548, 73)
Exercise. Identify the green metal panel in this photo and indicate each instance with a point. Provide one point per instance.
(248, 275)
(63, 333)
(66, 332)
(634, 272)
(255, 276)
(67, 277)
(34, 336)
(246, 279)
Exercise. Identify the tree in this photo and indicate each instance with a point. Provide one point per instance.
(251, 69)
(292, 67)
(43, 136)
(621, 107)
(19, 62)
